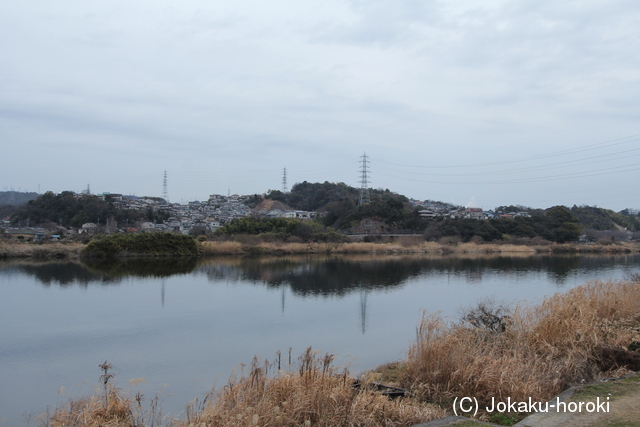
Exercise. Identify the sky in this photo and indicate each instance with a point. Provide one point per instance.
(481, 104)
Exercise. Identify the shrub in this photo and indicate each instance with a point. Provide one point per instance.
(142, 244)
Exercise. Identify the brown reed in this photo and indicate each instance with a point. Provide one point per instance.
(316, 394)
(544, 348)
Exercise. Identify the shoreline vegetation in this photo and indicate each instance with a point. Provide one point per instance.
(587, 333)
(175, 245)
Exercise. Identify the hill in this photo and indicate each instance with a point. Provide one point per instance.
(10, 201)
(267, 205)
(16, 198)
(307, 196)
(605, 219)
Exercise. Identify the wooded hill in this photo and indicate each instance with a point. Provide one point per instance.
(392, 212)
(606, 219)
(11, 200)
(69, 209)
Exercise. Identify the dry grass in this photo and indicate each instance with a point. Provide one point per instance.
(543, 350)
(94, 411)
(617, 248)
(108, 407)
(43, 251)
(317, 394)
(403, 245)
(221, 248)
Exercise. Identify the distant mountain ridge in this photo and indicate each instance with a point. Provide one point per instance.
(16, 198)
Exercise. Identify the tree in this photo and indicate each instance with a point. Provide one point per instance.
(561, 225)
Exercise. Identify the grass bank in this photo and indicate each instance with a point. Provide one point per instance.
(311, 392)
(212, 248)
(41, 251)
(169, 244)
(527, 352)
(403, 245)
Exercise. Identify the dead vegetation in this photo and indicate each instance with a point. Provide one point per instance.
(316, 394)
(403, 245)
(40, 251)
(526, 352)
(311, 392)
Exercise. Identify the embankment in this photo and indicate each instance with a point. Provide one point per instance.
(404, 246)
(40, 251)
(169, 244)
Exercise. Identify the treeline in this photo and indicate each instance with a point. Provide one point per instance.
(556, 224)
(601, 219)
(309, 196)
(143, 245)
(68, 209)
(281, 229)
(338, 204)
(10, 201)
(16, 198)
(391, 211)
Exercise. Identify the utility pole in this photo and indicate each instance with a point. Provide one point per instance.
(284, 180)
(364, 182)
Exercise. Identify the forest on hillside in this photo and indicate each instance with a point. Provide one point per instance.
(69, 209)
(339, 211)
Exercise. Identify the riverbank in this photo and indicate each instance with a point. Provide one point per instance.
(506, 353)
(408, 245)
(401, 245)
(44, 251)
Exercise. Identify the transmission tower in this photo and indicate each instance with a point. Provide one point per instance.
(364, 182)
(284, 180)
(165, 194)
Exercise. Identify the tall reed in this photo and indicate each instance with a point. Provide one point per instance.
(543, 349)
(315, 394)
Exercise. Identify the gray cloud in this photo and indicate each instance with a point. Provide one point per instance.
(230, 93)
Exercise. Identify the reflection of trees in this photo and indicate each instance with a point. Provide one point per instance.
(62, 273)
(324, 276)
(329, 276)
(560, 268)
(144, 267)
(318, 275)
(104, 273)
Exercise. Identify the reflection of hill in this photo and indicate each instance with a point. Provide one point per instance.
(144, 267)
(316, 275)
(103, 273)
(62, 273)
(342, 275)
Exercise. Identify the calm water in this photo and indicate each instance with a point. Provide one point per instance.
(184, 326)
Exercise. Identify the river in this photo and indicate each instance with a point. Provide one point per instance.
(184, 326)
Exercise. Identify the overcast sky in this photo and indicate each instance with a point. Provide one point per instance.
(490, 103)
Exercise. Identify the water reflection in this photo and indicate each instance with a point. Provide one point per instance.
(338, 276)
(324, 276)
(317, 276)
(218, 312)
(71, 273)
